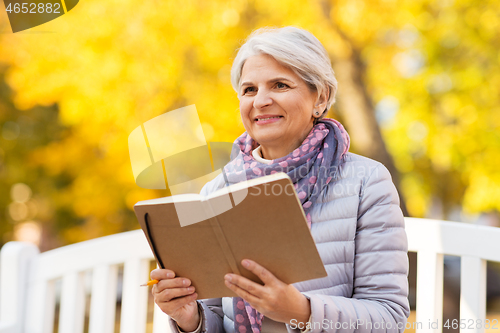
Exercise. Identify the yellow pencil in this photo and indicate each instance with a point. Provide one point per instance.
(150, 283)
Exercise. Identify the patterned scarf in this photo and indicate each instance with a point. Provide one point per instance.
(311, 167)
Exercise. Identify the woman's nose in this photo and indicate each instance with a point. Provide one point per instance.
(262, 99)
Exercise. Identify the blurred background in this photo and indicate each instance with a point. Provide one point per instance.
(419, 90)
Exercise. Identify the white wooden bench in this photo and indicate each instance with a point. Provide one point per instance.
(28, 292)
(474, 244)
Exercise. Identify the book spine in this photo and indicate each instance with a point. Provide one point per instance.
(147, 232)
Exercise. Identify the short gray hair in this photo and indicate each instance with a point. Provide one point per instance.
(294, 48)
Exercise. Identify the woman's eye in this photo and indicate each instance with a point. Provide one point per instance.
(246, 90)
(281, 85)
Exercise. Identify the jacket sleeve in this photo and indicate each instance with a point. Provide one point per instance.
(379, 301)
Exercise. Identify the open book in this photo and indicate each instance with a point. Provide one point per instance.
(204, 238)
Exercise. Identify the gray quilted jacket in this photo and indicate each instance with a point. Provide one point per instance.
(358, 228)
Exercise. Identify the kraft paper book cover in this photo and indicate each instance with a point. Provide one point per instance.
(204, 238)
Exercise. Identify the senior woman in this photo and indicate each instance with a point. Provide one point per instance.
(285, 84)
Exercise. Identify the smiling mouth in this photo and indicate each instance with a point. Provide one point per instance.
(262, 119)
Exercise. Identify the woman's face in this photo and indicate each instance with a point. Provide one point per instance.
(269, 89)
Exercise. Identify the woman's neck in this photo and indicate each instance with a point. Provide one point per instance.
(269, 153)
(273, 152)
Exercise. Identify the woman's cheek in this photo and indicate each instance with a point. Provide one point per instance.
(245, 112)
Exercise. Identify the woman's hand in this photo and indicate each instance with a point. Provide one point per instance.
(275, 299)
(176, 297)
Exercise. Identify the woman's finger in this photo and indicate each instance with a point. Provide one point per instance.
(263, 274)
(246, 284)
(252, 299)
(172, 283)
(162, 274)
(167, 295)
(173, 305)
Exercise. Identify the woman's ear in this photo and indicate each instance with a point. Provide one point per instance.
(320, 105)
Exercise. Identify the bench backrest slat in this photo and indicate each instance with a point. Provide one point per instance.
(103, 300)
(473, 291)
(135, 298)
(72, 310)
